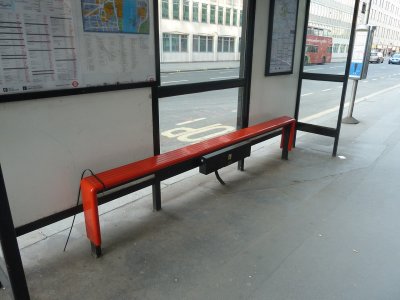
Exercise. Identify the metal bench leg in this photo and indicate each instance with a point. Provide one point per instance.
(286, 133)
(96, 250)
(241, 165)
(157, 196)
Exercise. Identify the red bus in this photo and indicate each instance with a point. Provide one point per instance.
(318, 46)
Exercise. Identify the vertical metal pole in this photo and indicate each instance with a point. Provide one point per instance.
(10, 248)
(300, 81)
(246, 67)
(350, 119)
(156, 187)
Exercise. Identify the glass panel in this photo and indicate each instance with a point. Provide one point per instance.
(175, 9)
(174, 43)
(188, 119)
(212, 14)
(320, 102)
(166, 42)
(220, 15)
(204, 13)
(195, 16)
(226, 45)
(203, 41)
(235, 17)
(328, 35)
(196, 40)
(184, 43)
(165, 9)
(228, 17)
(231, 45)
(186, 10)
(210, 43)
(220, 40)
(189, 45)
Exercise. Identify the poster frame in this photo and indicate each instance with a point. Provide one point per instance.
(271, 31)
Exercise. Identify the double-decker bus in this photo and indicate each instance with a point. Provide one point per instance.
(318, 46)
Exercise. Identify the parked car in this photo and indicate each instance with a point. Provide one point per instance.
(394, 59)
(376, 57)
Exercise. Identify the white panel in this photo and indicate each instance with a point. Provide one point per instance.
(46, 144)
(273, 96)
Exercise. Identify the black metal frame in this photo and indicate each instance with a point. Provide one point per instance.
(269, 40)
(9, 245)
(71, 92)
(316, 129)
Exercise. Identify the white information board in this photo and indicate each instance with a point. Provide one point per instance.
(68, 44)
(361, 52)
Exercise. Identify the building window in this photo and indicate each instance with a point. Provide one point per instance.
(228, 17)
(241, 18)
(226, 44)
(175, 42)
(212, 14)
(166, 42)
(220, 15)
(202, 43)
(184, 43)
(175, 9)
(186, 10)
(235, 17)
(195, 11)
(165, 13)
(204, 13)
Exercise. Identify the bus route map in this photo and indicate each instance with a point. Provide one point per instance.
(116, 16)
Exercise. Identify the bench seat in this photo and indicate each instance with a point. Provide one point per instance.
(92, 185)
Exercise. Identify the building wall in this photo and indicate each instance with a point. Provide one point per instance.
(385, 14)
(189, 28)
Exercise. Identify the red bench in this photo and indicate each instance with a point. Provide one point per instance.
(170, 164)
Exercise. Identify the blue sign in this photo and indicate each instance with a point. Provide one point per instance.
(356, 69)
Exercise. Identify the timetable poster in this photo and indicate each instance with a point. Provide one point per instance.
(68, 44)
(281, 37)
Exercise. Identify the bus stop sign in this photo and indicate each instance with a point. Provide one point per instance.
(361, 52)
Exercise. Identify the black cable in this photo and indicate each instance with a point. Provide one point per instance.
(219, 178)
(77, 201)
